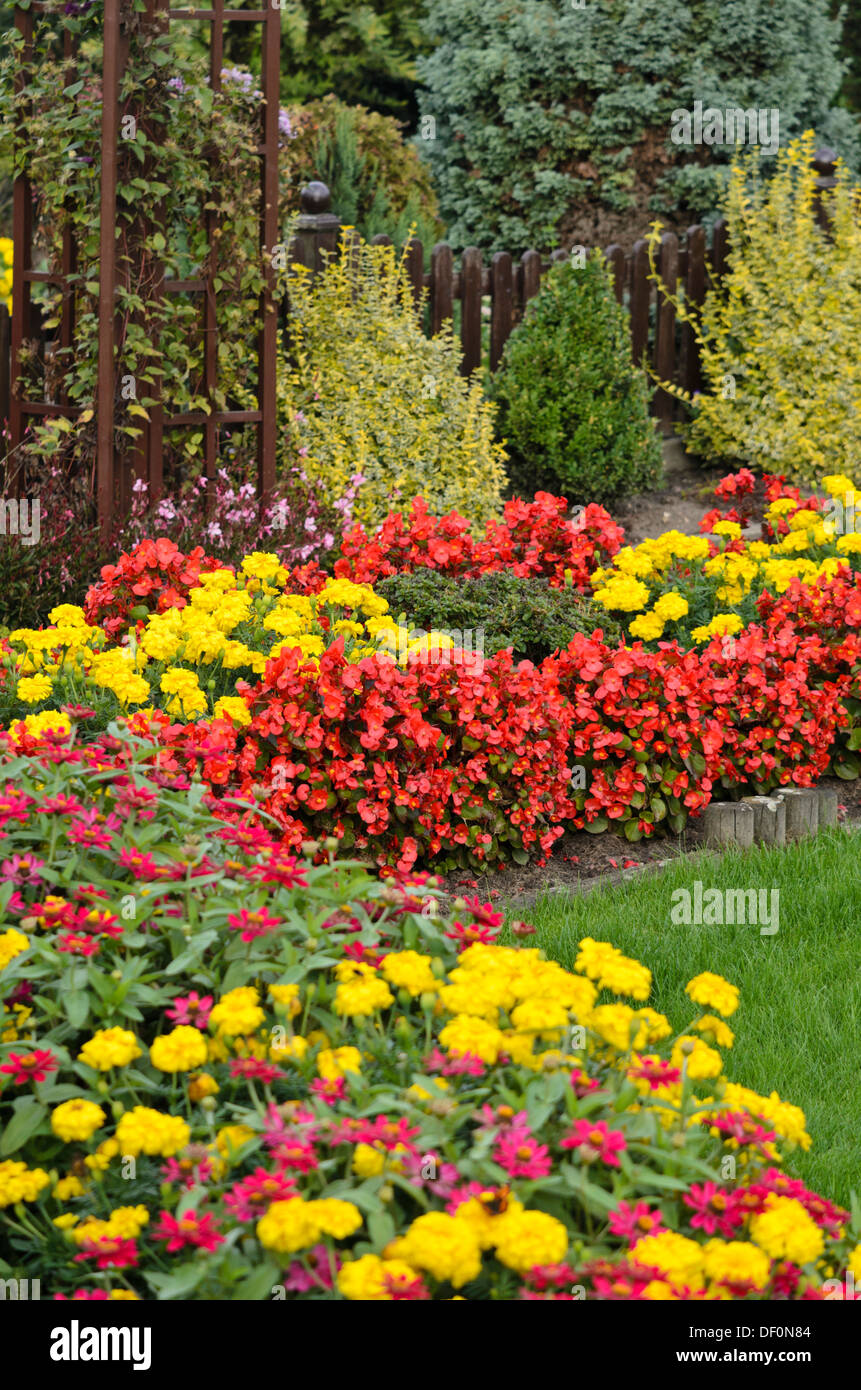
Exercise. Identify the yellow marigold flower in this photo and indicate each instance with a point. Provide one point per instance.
(201, 1086)
(362, 997)
(465, 1034)
(837, 484)
(737, 1262)
(368, 1161)
(335, 1217)
(440, 1245)
(410, 971)
(238, 1011)
(606, 964)
(713, 991)
(617, 1025)
(76, 1119)
(288, 1226)
(123, 1296)
(671, 606)
(700, 1060)
(677, 1257)
(181, 1050)
(234, 708)
(99, 1161)
(333, 1063)
(69, 1187)
(110, 1047)
(18, 1183)
(12, 944)
(622, 593)
(287, 995)
(715, 1029)
(33, 689)
(483, 1217)
(727, 528)
(142, 1130)
(66, 1221)
(527, 1238)
(850, 544)
(372, 1280)
(648, 626)
(722, 624)
(290, 1050)
(854, 1263)
(785, 1231)
(545, 1017)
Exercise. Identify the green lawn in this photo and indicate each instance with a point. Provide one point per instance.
(797, 1026)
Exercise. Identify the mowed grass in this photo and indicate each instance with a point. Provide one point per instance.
(797, 1025)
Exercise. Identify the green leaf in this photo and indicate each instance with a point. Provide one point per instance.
(258, 1285)
(28, 1116)
(76, 1005)
(180, 1282)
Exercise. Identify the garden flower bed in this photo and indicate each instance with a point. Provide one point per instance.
(231, 1072)
(284, 689)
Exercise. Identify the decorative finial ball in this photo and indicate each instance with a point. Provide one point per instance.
(315, 197)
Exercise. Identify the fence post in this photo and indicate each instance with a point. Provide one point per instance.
(640, 295)
(665, 342)
(5, 349)
(824, 161)
(502, 305)
(317, 228)
(470, 323)
(441, 286)
(695, 291)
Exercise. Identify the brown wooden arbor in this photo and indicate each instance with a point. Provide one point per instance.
(115, 470)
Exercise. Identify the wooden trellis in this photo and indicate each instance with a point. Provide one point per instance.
(114, 473)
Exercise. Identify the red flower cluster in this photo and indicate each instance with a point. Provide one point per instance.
(444, 763)
(154, 575)
(535, 538)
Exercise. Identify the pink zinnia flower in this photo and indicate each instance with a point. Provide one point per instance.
(93, 829)
(329, 1089)
(716, 1208)
(251, 1197)
(78, 945)
(191, 1009)
(632, 1223)
(521, 1157)
(22, 868)
(109, 1252)
(594, 1140)
(198, 1231)
(253, 1069)
(253, 924)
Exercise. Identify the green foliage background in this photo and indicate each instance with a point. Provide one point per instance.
(540, 106)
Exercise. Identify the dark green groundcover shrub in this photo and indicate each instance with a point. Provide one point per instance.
(524, 614)
(573, 408)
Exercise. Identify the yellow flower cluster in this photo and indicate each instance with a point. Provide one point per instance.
(18, 1183)
(629, 584)
(296, 1224)
(188, 660)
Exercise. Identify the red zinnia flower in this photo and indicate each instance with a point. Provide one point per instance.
(198, 1231)
(30, 1066)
